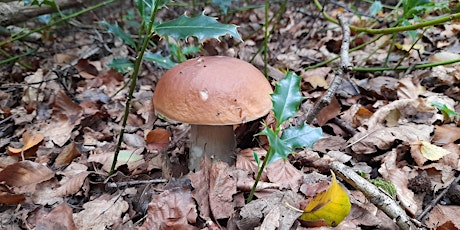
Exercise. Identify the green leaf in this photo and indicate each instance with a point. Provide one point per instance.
(121, 65)
(286, 98)
(117, 31)
(159, 60)
(376, 7)
(201, 27)
(256, 158)
(222, 4)
(191, 49)
(298, 137)
(444, 109)
(278, 148)
(146, 8)
(386, 186)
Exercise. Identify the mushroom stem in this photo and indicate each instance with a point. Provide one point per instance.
(215, 142)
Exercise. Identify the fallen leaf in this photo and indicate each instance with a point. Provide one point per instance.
(429, 151)
(157, 139)
(31, 142)
(59, 217)
(172, 209)
(445, 134)
(330, 206)
(25, 173)
(101, 213)
(69, 153)
(329, 112)
(282, 172)
(444, 217)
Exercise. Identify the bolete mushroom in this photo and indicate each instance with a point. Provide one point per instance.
(212, 94)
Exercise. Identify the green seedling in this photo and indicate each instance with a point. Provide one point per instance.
(286, 100)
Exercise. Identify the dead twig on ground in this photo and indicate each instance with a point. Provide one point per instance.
(378, 198)
(341, 73)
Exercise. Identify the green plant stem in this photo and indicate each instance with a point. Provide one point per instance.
(259, 175)
(351, 50)
(436, 21)
(21, 36)
(132, 87)
(420, 66)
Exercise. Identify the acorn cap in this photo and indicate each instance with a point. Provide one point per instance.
(214, 90)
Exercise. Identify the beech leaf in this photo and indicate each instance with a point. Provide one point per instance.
(201, 27)
(330, 206)
(287, 97)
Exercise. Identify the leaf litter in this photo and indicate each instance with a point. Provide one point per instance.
(57, 142)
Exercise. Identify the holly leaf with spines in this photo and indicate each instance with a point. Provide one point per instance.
(201, 27)
(159, 60)
(278, 148)
(300, 136)
(146, 7)
(118, 31)
(286, 98)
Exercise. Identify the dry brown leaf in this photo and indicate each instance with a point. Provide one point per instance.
(69, 153)
(440, 175)
(100, 213)
(64, 104)
(407, 89)
(316, 78)
(72, 185)
(445, 134)
(361, 115)
(31, 140)
(172, 209)
(383, 138)
(86, 69)
(398, 177)
(25, 173)
(157, 139)
(245, 161)
(222, 187)
(444, 217)
(200, 183)
(59, 217)
(329, 112)
(8, 197)
(59, 129)
(451, 159)
(282, 172)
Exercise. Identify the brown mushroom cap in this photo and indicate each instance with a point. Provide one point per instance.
(213, 90)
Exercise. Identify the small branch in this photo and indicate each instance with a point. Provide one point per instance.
(132, 183)
(437, 199)
(345, 67)
(374, 195)
(392, 30)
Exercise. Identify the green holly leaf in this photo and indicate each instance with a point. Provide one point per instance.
(278, 148)
(159, 60)
(286, 98)
(201, 27)
(146, 8)
(444, 109)
(118, 31)
(298, 137)
(121, 65)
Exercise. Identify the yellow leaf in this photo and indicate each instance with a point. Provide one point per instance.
(31, 140)
(330, 206)
(432, 152)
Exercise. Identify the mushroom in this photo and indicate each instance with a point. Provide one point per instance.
(212, 94)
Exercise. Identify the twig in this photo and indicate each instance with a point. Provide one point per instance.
(345, 67)
(131, 183)
(437, 199)
(374, 195)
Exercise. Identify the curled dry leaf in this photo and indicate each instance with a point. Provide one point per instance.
(172, 209)
(25, 173)
(329, 112)
(444, 217)
(68, 153)
(428, 150)
(8, 197)
(31, 141)
(59, 129)
(64, 105)
(157, 139)
(398, 177)
(445, 134)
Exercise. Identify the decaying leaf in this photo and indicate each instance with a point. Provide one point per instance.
(172, 209)
(31, 142)
(157, 139)
(25, 173)
(282, 172)
(429, 151)
(445, 134)
(330, 206)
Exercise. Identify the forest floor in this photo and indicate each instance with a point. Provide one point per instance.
(61, 117)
